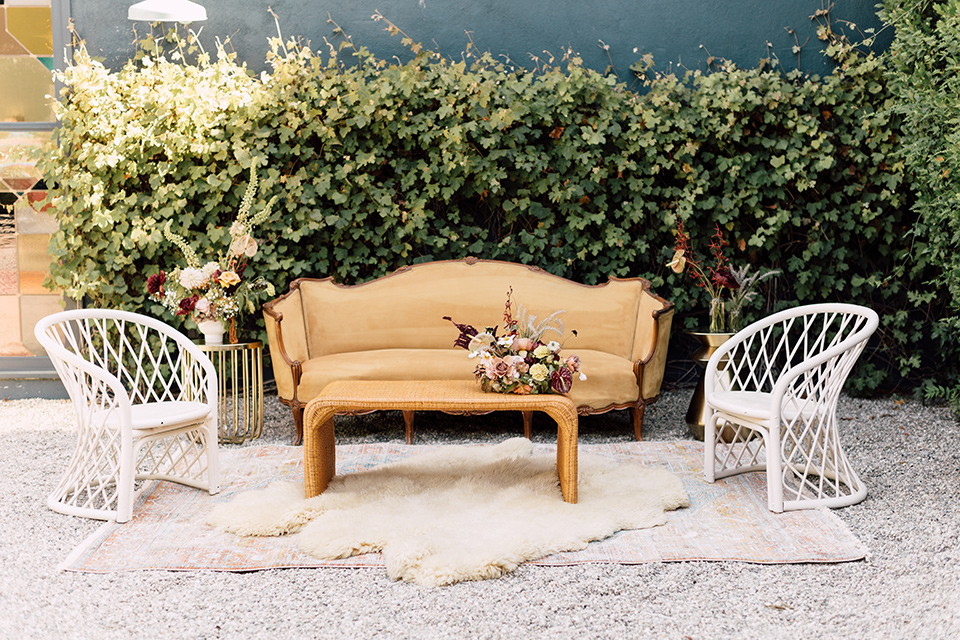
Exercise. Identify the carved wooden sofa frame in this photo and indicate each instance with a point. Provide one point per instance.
(320, 331)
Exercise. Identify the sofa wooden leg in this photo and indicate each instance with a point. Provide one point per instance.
(298, 423)
(408, 425)
(527, 424)
(637, 413)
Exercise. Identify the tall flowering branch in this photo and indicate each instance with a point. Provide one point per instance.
(188, 253)
(717, 279)
(217, 289)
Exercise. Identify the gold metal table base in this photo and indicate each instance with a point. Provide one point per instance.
(697, 411)
(240, 379)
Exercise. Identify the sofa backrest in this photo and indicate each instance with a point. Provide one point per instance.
(406, 308)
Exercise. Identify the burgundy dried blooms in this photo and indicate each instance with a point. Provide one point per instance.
(155, 284)
(723, 278)
(187, 305)
(466, 333)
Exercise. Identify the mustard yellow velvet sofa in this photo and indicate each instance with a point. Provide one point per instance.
(392, 328)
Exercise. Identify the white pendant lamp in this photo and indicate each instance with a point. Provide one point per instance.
(167, 11)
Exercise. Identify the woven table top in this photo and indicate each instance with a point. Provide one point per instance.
(432, 395)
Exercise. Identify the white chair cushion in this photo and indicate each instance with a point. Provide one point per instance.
(163, 415)
(749, 404)
(167, 415)
(756, 405)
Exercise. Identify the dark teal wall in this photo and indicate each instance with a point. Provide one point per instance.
(680, 33)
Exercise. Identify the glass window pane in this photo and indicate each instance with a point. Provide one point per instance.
(19, 151)
(10, 344)
(32, 28)
(32, 216)
(32, 309)
(34, 262)
(25, 84)
(8, 245)
(8, 44)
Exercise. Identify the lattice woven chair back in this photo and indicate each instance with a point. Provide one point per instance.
(146, 404)
(774, 387)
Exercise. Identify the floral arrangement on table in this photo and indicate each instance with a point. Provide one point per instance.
(216, 290)
(726, 315)
(520, 361)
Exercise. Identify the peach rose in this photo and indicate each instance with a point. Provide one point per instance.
(229, 279)
(524, 344)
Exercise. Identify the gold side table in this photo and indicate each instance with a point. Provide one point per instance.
(240, 380)
(707, 343)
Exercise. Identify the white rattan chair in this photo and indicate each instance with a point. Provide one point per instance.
(146, 405)
(771, 395)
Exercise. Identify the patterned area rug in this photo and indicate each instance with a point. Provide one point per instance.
(727, 520)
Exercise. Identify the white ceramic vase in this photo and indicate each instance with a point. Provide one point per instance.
(212, 331)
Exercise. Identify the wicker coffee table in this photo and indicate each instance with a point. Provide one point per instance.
(454, 396)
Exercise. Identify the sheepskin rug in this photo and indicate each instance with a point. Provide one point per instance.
(459, 512)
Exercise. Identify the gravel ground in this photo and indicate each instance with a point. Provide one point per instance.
(909, 587)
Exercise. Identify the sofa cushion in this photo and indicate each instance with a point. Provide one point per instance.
(610, 379)
(405, 310)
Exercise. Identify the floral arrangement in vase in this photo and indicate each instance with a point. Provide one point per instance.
(729, 288)
(215, 291)
(520, 361)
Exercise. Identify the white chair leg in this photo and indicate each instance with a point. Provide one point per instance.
(710, 447)
(125, 479)
(213, 460)
(774, 477)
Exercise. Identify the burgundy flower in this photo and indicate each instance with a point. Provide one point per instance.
(466, 333)
(723, 278)
(155, 284)
(561, 380)
(187, 305)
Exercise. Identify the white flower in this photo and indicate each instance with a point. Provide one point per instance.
(583, 376)
(481, 342)
(244, 245)
(193, 278)
(553, 345)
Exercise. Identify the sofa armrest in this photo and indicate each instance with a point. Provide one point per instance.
(652, 340)
(287, 337)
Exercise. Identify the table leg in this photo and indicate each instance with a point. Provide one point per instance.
(567, 452)
(319, 452)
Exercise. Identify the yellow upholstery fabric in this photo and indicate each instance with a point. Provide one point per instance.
(652, 342)
(610, 379)
(294, 340)
(406, 310)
